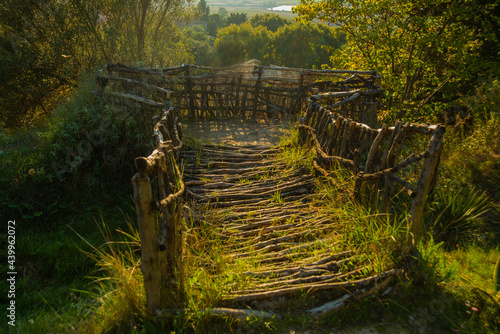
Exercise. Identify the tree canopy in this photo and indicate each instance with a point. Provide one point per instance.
(203, 10)
(237, 18)
(271, 21)
(215, 22)
(303, 45)
(46, 44)
(425, 51)
(238, 43)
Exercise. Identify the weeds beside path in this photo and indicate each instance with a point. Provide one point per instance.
(442, 292)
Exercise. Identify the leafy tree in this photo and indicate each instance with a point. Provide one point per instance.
(46, 44)
(424, 50)
(141, 31)
(238, 43)
(204, 10)
(40, 57)
(271, 21)
(237, 18)
(200, 45)
(305, 45)
(222, 11)
(215, 22)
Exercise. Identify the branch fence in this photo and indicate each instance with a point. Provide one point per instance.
(248, 91)
(339, 117)
(159, 196)
(386, 162)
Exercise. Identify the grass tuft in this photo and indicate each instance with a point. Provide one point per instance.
(457, 217)
(120, 301)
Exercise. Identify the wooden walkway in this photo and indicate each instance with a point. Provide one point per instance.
(264, 212)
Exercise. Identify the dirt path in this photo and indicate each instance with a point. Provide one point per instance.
(237, 131)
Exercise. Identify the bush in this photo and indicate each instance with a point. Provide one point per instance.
(86, 152)
(456, 216)
(470, 159)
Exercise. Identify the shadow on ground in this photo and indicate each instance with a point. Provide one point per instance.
(237, 131)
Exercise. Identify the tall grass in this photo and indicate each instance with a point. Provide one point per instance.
(115, 301)
(457, 216)
(118, 291)
(54, 296)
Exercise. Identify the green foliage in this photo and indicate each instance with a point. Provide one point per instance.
(121, 301)
(470, 158)
(473, 156)
(90, 139)
(40, 58)
(477, 157)
(26, 180)
(215, 22)
(428, 266)
(305, 45)
(238, 43)
(222, 11)
(496, 276)
(53, 269)
(271, 21)
(237, 18)
(46, 45)
(485, 311)
(457, 216)
(87, 149)
(430, 51)
(139, 31)
(203, 10)
(301, 45)
(200, 45)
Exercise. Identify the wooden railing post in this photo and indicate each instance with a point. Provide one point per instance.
(257, 90)
(161, 251)
(150, 265)
(190, 97)
(301, 95)
(424, 187)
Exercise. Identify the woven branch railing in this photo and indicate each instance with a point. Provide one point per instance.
(246, 90)
(386, 162)
(158, 195)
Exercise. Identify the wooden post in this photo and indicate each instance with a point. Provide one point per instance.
(190, 97)
(257, 91)
(150, 265)
(237, 99)
(173, 268)
(227, 99)
(424, 185)
(300, 93)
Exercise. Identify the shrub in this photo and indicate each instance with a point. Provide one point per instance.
(86, 152)
(456, 216)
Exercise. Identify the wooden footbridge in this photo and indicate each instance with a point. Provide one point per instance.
(265, 235)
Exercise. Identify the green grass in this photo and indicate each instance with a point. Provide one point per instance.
(437, 293)
(211, 271)
(53, 269)
(93, 284)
